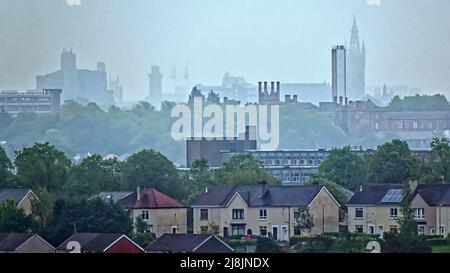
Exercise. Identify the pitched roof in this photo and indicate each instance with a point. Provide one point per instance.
(149, 199)
(373, 194)
(91, 242)
(13, 194)
(179, 243)
(115, 196)
(272, 196)
(435, 194)
(11, 241)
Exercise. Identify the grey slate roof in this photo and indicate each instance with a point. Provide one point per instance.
(372, 194)
(435, 194)
(11, 241)
(277, 196)
(13, 194)
(115, 196)
(91, 242)
(180, 243)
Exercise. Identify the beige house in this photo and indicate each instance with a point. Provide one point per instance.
(22, 197)
(431, 204)
(264, 210)
(375, 209)
(162, 213)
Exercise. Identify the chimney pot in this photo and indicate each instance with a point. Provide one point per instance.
(265, 87)
(278, 87)
(272, 87)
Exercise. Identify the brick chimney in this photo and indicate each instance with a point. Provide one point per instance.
(262, 187)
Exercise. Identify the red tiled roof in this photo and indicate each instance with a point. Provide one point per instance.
(151, 198)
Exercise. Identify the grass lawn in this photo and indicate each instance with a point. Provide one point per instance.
(441, 249)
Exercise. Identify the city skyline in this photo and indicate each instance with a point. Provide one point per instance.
(295, 49)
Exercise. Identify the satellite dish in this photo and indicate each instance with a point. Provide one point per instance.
(374, 247)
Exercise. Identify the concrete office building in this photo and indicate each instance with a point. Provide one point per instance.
(46, 101)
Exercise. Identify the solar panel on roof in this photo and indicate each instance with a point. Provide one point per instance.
(393, 196)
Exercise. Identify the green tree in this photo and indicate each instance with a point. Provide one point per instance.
(304, 220)
(392, 163)
(341, 194)
(14, 219)
(150, 169)
(42, 209)
(441, 150)
(42, 165)
(93, 175)
(5, 169)
(243, 169)
(93, 215)
(344, 168)
(198, 179)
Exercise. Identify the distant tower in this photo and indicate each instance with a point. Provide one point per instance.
(356, 66)
(117, 90)
(266, 98)
(155, 86)
(338, 71)
(69, 71)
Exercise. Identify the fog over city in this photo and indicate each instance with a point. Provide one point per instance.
(284, 40)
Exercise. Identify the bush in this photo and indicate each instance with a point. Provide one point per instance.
(266, 245)
(438, 242)
(294, 240)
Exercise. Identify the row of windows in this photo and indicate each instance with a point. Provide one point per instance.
(421, 229)
(236, 214)
(419, 213)
(415, 125)
(291, 159)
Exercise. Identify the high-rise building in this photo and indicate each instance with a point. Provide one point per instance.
(116, 88)
(339, 76)
(155, 86)
(356, 66)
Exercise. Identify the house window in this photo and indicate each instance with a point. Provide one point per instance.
(377, 126)
(204, 229)
(371, 229)
(415, 125)
(393, 229)
(237, 230)
(174, 230)
(263, 214)
(263, 231)
(359, 213)
(394, 213)
(442, 231)
(145, 215)
(421, 229)
(419, 213)
(203, 214)
(359, 229)
(238, 214)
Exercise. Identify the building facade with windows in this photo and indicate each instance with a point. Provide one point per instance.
(265, 211)
(162, 213)
(375, 209)
(45, 101)
(431, 204)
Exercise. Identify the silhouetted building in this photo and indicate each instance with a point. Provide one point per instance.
(338, 71)
(212, 149)
(155, 86)
(356, 66)
(45, 101)
(116, 88)
(234, 88)
(77, 83)
(308, 92)
(267, 97)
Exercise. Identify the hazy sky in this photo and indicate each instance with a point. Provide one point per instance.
(408, 41)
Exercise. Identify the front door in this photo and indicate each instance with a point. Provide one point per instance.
(275, 233)
(225, 232)
(284, 234)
